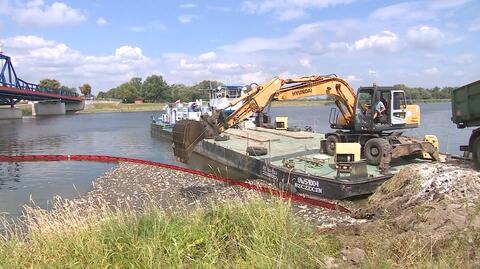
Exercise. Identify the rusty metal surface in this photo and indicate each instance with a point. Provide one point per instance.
(186, 135)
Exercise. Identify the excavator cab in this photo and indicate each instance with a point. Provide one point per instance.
(383, 108)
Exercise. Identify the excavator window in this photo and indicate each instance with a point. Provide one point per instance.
(399, 100)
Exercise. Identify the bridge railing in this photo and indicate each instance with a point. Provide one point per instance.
(37, 88)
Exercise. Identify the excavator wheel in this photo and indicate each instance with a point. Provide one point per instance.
(332, 140)
(374, 150)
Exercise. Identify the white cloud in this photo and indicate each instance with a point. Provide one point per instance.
(431, 71)
(150, 27)
(258, 77)
(102, 21)
(305, 62)
(416, 10)
(405, 10)
(353, 78)
(36, 58)
(184, 64)
(37, 13)
(207, 56)
(288, 9)
(129, 52)
(386, 40)
(372, 73)
(186, 18)
(425, 37)
(25, 42)
(188, 5)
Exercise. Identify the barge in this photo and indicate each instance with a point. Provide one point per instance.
(295, 161)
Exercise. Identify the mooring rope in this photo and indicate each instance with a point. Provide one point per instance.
(112, 159)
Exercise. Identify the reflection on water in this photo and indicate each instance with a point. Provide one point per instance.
(11, 174)
(116, 134)
(128, 134)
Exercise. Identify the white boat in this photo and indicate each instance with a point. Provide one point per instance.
(219, 98)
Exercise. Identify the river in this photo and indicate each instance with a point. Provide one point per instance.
(128, 134)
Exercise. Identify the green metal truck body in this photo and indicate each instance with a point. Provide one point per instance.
(466, 113)
(466, 105)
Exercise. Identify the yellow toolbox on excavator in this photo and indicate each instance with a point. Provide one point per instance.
(347, 152)
(281, 123)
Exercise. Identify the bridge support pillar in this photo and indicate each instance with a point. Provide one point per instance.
(10, 113)
(76, 106)
(48, 108)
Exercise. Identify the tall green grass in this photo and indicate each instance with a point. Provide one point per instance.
(233, 235)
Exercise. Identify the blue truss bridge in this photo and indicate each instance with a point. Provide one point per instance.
(13, 89)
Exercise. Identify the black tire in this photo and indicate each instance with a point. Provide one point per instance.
(330, 146)
(222, 138)
(374, 150)
(476, 152)
(256, 151)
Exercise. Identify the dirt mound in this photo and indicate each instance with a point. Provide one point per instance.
(435, 198)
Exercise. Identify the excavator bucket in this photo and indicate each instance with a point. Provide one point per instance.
(186, 135)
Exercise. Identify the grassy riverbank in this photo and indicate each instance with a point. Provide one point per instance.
(235, 235)
(254, 234)
(409, 227)
(97, 108)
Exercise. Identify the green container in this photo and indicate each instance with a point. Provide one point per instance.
(466, 105)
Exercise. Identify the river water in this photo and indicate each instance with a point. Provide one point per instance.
(128, 134)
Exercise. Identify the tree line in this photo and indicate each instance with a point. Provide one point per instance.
(419, 93)
(155, 89)
(56, 86)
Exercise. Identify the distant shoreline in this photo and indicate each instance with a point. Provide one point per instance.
(157, 107)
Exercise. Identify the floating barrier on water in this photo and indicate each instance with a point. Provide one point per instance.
(112, 159)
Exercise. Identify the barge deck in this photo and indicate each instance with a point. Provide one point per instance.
(294, 162)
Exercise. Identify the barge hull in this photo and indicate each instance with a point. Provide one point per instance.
(288, 179)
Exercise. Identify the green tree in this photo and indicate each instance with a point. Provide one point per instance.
(68, 89)
(101, 95)
(155, 89)
(86, 89)
(50, 83)
(128, 92)
(136, 82)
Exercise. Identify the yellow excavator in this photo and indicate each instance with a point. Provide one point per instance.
(360, 117)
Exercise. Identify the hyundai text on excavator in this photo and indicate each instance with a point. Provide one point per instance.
(354, 118)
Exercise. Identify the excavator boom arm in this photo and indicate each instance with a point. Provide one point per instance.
(257, 99)
(275, 90)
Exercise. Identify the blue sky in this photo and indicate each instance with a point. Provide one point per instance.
(104, 43)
